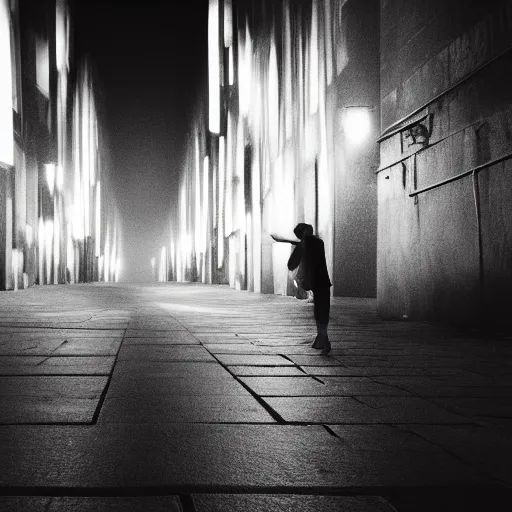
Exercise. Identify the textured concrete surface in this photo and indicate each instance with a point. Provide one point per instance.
(189, 397)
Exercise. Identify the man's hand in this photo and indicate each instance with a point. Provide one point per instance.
(277, 238)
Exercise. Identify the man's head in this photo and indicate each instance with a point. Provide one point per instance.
(301, 230)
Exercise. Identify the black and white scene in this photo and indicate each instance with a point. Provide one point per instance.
(255, 255)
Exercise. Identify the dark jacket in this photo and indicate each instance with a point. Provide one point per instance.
(310, 253)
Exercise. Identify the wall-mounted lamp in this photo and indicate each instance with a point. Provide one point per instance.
(357, 122)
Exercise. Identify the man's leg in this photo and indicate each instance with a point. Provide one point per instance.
(322, 307)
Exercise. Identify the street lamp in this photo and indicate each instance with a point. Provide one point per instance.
(356, 122)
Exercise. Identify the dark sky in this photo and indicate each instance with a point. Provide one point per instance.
(151, 58)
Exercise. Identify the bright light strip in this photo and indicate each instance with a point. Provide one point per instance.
(117, 272)
(59, 181)
(206, 165)
(29, 235)
(197, 200)
(288, 74)
(356, 123)
(245, 72)
(328, 41)
(60, 35)
(313, 65)
(228, 23)
(97, 229)
(6, 121)
(213, 67)
(231, 64)
(50, 177)
(48, 238)
(273, 100)
(228, 217)
(220, 230)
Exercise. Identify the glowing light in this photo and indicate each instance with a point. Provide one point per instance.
(231, 70)
(288, 73)
(117, 272)
(48, 238)
(14, 266)
(220, 230)
(313, 65)
(245, 72)
(29, 235)
(273, 100)
(97, 230)
(328, 41)
(59, 179)
(206, 165)
(228, 23)
(162, 274)
(213, 67)
(228, 219)
(43, 65)
(356, 123)
(61, 35)
(50, 177)
(197, 203)
(6, 120)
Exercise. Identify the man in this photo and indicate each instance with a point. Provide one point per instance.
(310, 254)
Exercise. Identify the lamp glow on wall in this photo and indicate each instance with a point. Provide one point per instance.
(356, 122)
(213, 67)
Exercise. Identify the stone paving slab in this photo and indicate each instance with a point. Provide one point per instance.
(315, 360)
(233, 348)
(478, 408)
(266, 457)
(164, 353)
(177, 338)
(31, 333)
(267, 371)
(69, 346)
(253, 360)
(46, 410)
(173, 456)
(52, 386)
(202, 370)
(343, 371)
(30, 365)
(89, 504)
(300, 386)
(488, 449)
(297, 503)
(362, 409)
(177, 408)
(153, 333)
(123, 385)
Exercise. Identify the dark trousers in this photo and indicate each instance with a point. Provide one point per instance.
(322, 305)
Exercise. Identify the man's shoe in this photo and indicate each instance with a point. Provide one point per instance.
(326, 348)
(318, 343)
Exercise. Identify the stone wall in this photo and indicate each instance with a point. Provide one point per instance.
(445, 253)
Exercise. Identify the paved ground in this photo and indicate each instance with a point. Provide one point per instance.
(195, 398)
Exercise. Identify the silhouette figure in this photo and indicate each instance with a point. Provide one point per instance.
(309, 253)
